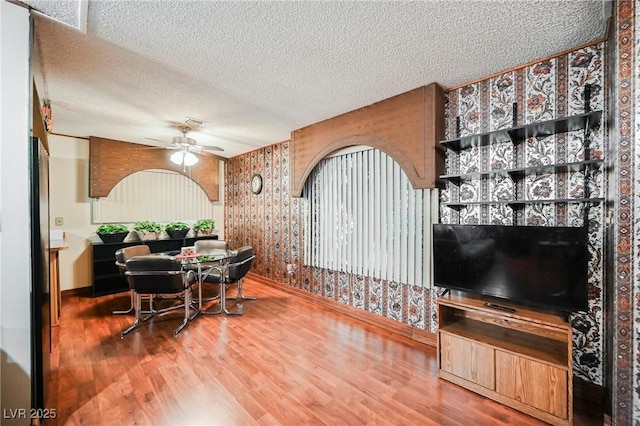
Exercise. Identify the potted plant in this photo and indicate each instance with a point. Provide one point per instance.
(176, 230)
(204, 227)
(147, 230)
(112, 232)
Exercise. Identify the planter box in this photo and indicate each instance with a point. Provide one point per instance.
(176, 235)
(113, 238)
(145, 236)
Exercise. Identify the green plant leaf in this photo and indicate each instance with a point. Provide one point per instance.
(206, 225)
(147, 226)
(176, 226)
(111, 228)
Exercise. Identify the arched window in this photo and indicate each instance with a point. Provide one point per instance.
(364, 217)
(158, 195)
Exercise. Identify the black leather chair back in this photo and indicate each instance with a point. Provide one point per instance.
(155, 274)
(240, 263)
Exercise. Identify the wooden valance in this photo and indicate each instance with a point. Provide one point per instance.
(408, 127)
(110, 161)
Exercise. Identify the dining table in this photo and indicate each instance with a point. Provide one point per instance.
(204, 265)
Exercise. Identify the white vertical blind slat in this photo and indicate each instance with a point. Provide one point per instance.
(366, 219)
(157, 195)
(384, 209)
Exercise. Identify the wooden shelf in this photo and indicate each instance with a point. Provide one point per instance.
(588, 120)
(522, 359)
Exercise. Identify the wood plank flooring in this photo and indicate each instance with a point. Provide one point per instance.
(286, 361)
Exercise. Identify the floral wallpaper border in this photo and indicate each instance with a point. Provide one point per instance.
(626, 281)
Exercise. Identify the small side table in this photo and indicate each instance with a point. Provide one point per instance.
(54, 282)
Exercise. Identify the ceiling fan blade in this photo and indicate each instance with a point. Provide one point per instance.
(212, 148)
(144, 147)
(158, 140)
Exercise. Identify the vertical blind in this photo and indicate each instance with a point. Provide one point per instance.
(158, 195)
(363, 217)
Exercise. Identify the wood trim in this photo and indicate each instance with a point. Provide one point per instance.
(535, 61)
(399, 330)
(69, 136)
(110, 161)
(37, 121)
(589, 394)
(408, 127)
(80, 291)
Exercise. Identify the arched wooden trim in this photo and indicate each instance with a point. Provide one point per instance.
(374, 142)
(110, 161)
(408, 127)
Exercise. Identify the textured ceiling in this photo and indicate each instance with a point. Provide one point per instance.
(255, 71)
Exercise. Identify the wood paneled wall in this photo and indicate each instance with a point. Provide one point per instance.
(110, 161)
(407, 127)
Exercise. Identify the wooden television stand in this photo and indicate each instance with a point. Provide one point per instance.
(519, 356)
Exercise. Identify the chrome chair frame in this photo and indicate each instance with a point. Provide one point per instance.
(188, 277)
(223, 276)
(210, 248)
(121, 264)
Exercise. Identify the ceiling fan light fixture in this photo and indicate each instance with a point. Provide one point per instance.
(184, 158)
(183, 140)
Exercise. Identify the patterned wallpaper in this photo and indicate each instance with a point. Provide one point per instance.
(542, 91)
(625, 149)
(272, 220)
(635, 361)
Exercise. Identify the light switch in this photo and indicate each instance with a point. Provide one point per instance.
(59, 221)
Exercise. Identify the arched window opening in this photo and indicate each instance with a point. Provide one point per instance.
(364, 217)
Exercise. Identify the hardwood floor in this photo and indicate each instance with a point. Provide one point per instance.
(286, 361)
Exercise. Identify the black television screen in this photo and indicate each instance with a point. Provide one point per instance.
(535, 265)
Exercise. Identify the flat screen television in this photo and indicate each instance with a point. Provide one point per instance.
(534, 265)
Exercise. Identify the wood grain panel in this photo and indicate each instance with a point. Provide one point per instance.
(287, 361)
(468, 360)
(110, 161)
(407, 127)
(533, 383)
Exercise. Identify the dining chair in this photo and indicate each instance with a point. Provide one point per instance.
(160, 274)
(124, 254)
(236, 267)
(211, 247)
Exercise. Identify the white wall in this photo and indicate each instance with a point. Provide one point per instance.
(69, 199)
(15, 244)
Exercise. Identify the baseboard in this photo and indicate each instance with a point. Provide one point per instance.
(80, 291)
(398, 330)
(589, 394)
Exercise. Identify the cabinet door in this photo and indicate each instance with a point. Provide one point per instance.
(533, 383)
(467, 359)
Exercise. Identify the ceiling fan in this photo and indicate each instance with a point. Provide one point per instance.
(186, 148)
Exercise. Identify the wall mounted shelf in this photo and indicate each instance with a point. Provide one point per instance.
(521, 172)
(516, 204)
(588, 120)
(582, 122)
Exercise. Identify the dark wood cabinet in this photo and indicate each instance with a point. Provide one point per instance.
(106, 277)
